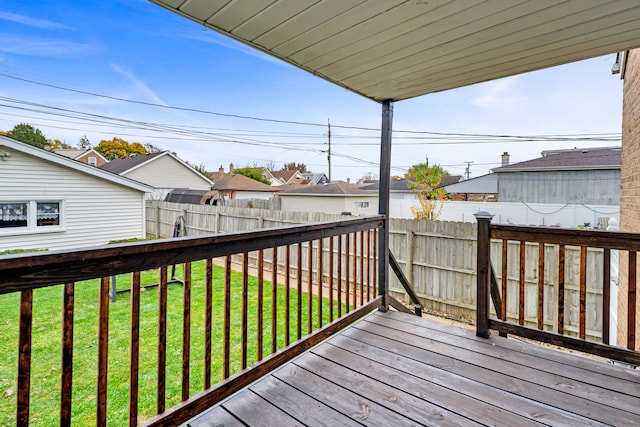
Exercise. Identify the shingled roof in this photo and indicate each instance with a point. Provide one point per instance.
(338, 188)
(574, 159)
(119, 166)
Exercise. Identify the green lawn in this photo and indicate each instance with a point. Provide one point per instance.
(47, 332)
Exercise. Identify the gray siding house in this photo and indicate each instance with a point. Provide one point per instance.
(589, 176)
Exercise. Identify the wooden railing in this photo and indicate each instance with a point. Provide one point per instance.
(488, 289)
(295, 306)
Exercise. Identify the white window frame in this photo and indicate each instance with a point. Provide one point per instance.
(92, 161)
(32, 218)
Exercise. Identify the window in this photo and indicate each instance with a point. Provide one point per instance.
(362, 205)
(93, 161)
(30, 215)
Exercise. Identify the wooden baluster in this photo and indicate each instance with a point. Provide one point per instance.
(347, 284)
(606, 294)
(103, 353)
(162, 340)
(631, 302)
(523, 248)
(186, 331)
(361, 267)
(226, 341)
(274, 300)
(368, 257)
(583, 292)
(339, 274)
(541, 286)
(24, 358)
(134, 349)
(67, 354)
(287, 295)
(375, 259)
(309, 286)
(355, 270)
(208, 322)
(505, 278)
(245, 297)
(299, 289)
(260, 325)
(319, 279)
(331, 264)
(561, 251)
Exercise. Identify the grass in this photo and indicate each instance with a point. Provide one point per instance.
(47, 332)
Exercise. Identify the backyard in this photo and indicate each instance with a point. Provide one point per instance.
(47, 333)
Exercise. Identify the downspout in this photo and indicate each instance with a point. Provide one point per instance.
(383, 202)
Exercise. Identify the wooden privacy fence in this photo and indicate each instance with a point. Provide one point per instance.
(262, 320)
(438, 258)
(529, 304)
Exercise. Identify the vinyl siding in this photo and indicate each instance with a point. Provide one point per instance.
(330, 204)
(590, 187)
(95, 211)
(166, 172)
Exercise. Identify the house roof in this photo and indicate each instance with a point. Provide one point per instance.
(333, 189)
(285, 176)
(400, 185)
(398, 49)
(484, 184)
(448, 180)
(72, 164)
(128, 164)
(76, 153)
(237, 182)
(574, 159)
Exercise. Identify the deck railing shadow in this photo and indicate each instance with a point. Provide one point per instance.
(491, 290)
(315, 306)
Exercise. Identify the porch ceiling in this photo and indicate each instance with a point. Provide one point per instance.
(397, 49)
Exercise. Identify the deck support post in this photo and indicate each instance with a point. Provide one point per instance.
(483, 274)
(383, 202)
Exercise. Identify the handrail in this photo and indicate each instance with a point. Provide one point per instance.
(351, 290)
(405, 284)
(487, 287)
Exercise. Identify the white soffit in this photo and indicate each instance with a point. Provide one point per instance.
(391, 49)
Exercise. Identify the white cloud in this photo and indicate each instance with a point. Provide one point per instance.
(10, 43)
(32, 22)
(497, 94)
(139, 86)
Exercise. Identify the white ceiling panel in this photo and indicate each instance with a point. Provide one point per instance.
(403, 49)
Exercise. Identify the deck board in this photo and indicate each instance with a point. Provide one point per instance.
(397, 369)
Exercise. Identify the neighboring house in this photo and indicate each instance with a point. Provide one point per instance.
(163, 170)
(588, 176)
(283, 177)
(315, 178)
(337, 198)
(235, 186)
(88, 156)
(48, 201)
(630, 180)
(398, 189)
(480, 188)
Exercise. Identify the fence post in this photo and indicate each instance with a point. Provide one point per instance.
(483, 277)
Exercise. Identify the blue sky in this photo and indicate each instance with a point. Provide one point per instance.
(134, 50)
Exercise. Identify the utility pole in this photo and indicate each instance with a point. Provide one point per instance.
(427, 157)
(329, 149)
(467, 172)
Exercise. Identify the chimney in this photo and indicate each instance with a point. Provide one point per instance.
(220, 172)
(348, 180)
(505, 158)
(231, 168)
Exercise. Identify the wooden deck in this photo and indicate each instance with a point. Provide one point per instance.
(396, 369)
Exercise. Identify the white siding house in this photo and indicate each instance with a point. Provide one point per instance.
(163, 170)
(48, 201)
(330, 198)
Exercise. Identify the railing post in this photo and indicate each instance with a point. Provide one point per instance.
(483, 276)
(383, 202)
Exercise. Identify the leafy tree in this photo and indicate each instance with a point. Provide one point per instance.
(56, 144)
(431, 199)
(152, 148)
(118, 148)
(202, 169)
(84, 143)
(253, 173)
(293, 166)
(28, 134)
